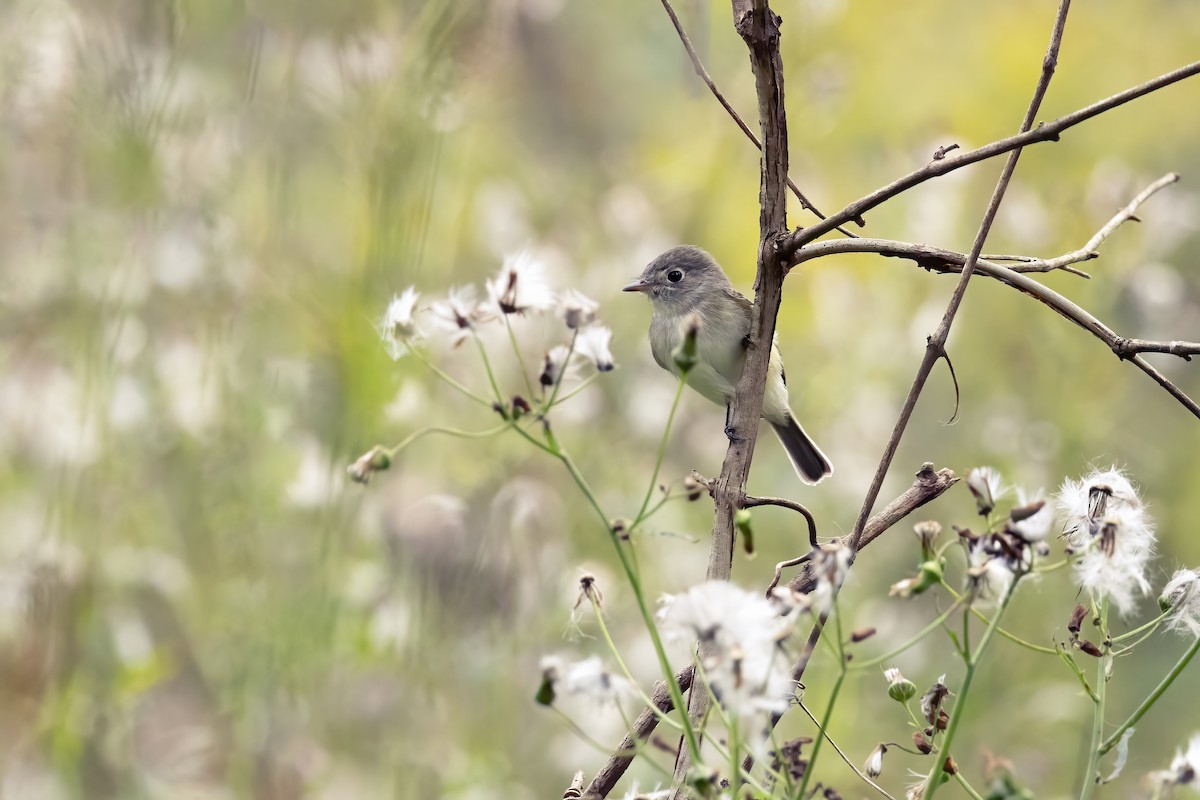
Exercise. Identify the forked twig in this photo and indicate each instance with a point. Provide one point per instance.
(698, 66)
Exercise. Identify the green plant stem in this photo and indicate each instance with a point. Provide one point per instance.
(888, 656)
(512, 338)
(487, 365)
(823, 726)
(1012, 637)
(1146, 626)
(631, 574)
(662, 452)
(561, 374)
(436, 370)
(415, 435)
(967, 787)
(841, 753)
(586, 382)
(1091, 774)
(616, 654)
(1069, 660)
(1152, 698)
(933, 781)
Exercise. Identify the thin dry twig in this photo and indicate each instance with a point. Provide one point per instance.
(606, 779)
(751, 501)
(927, 487)
(937, 342)
(698, 66)
(1046, 132)
(948, 261)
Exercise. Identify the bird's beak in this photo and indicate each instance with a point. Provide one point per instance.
(637, 286)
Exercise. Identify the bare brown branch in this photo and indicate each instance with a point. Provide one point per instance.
(753, 502)
(948, 261)
(1046, 132)
(928, 486)
(698, 66)
(606, 779)
(758, 26)
(937, 342)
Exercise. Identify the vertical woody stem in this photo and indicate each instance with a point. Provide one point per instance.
(759, 28)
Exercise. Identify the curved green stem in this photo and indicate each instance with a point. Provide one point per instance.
(561, 374)
(967, 787)
(1146, 626)
(487, 365)
(412, 437)
(846, 759)
(888, 656)
(436, 370)
(823, 726)
(512, 339)
(631, 574)
(1152, 698)
(616, 654)
(1012, 637)
(933, 781)
(1091, 775)
(662, 452)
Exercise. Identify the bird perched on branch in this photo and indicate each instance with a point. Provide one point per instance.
(688, 290)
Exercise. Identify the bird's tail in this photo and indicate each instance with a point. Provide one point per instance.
(810, 463)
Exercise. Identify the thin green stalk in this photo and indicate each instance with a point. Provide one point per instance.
(634, 582)
(487, 365)
(1069, 660)
(967, 787)
(1151, 624)
(933, 781)
(701, 680)
(461, 434)
(586, 382)
(616, 654)
(1092, 773)
(1012, 637)
(888, 656)
(845, 758)
(512, 338)
(662, 452)
(833, 697)
(1152, 698)
(561, 374)
(436, 370)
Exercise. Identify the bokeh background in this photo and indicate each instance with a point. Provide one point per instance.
(205, 206)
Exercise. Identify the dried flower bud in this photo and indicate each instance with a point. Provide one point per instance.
(1090, 649)
(928, 532)
(551, 672)
(985, 485)
(374, 460)
(874, 765)
(692, 487)
(1076, 619)
(520, 406)
(949, 767)
(929, 574)
(921, 743)
(861, 635)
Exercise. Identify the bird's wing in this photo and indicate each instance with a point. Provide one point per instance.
(740, 299)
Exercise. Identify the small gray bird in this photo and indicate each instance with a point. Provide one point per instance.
(686, 287)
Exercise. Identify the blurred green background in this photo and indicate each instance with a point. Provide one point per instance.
(205, 205)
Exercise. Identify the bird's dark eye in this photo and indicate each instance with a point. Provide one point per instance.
(675, 275)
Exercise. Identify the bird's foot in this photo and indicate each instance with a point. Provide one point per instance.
(731, 434)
